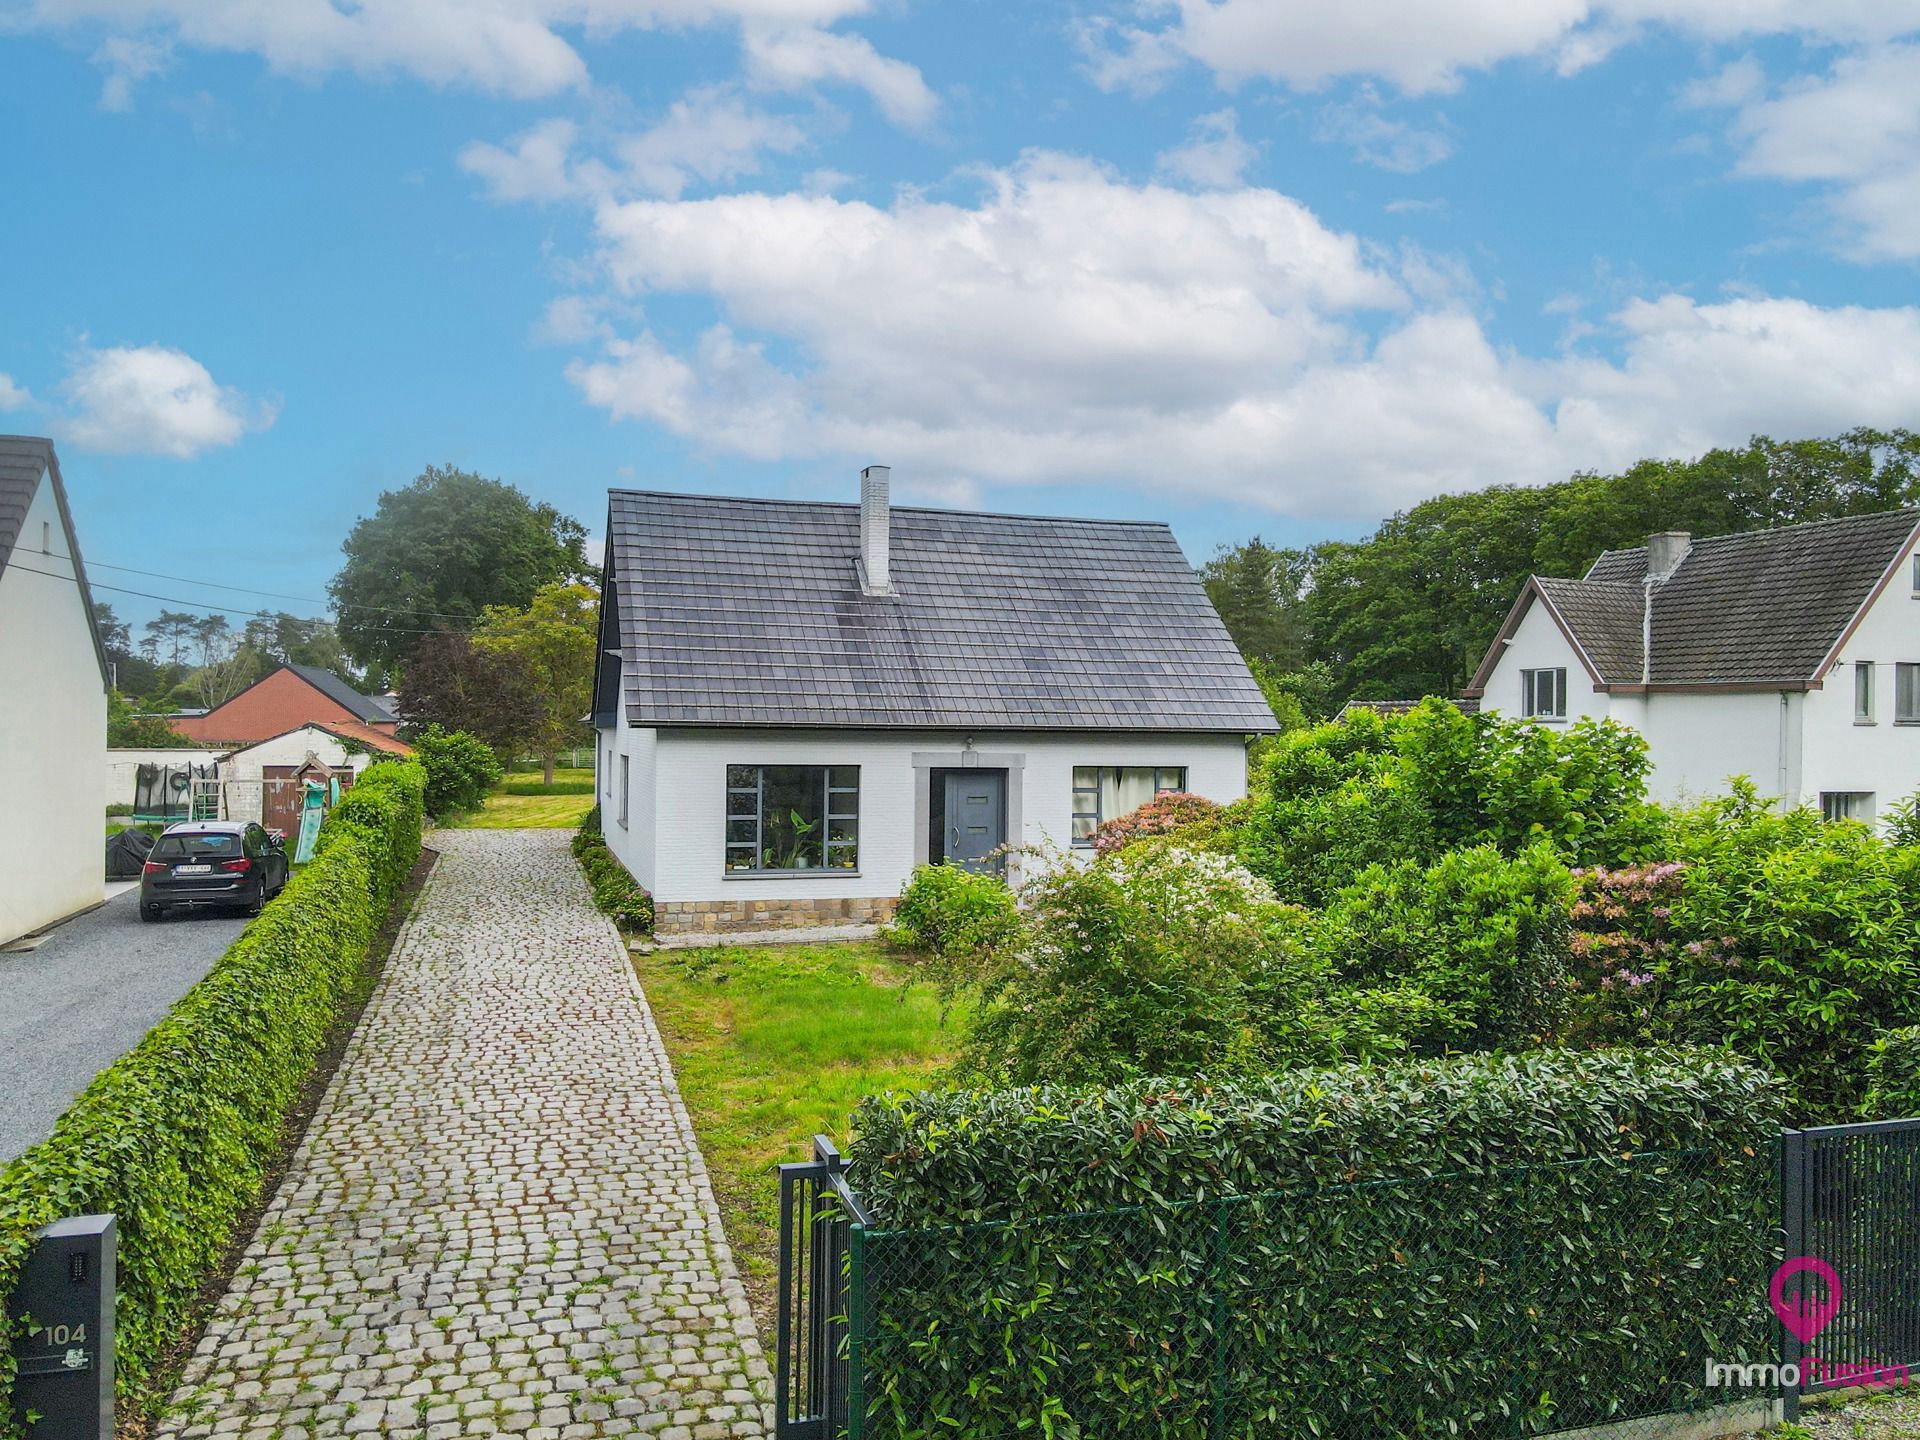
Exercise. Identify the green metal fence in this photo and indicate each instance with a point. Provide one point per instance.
(1512, 1302)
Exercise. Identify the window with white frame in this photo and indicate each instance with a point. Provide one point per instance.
(625, 790)
(1106, 792)
(1846, 805)
(1906, 694)
(1543, 694)
(784, 818)
(1863, 692)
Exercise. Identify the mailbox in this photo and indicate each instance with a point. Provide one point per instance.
(65, 1346)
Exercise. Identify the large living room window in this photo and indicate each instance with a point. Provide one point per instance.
(1543, 694)
(1106, 792)
(785, 818)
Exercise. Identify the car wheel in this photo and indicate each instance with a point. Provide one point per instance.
(259, 900)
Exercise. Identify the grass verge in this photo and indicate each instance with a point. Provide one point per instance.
(774, 1044)
(524, 802)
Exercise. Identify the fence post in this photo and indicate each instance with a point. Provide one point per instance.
(1793, 1239)
(856, 1331)
(1218, 1265)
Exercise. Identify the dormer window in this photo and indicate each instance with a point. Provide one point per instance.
(1543, 694)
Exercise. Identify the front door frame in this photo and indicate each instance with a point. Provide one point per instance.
(925, 762)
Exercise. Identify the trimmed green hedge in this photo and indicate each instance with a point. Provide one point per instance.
(617, 894)
(1893, 1075)
(175, 1137)
(1473, 1247)
(954, 913)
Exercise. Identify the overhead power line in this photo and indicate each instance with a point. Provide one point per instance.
(206, 609)
(270, 594)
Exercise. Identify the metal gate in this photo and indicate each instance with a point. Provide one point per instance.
(1851, 1197)
(811, 1374)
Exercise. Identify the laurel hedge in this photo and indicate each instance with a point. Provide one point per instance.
(1479, 1246)
(175, 1138)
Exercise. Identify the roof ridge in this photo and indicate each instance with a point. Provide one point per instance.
(896, 509)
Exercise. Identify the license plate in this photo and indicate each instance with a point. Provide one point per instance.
(193, 869)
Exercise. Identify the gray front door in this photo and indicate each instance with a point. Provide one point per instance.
(976, 814)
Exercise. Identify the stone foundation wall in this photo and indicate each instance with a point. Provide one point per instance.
(686, 917)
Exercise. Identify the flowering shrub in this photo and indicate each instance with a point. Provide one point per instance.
(1176, 962)
(1793, 941)
(1170, 811)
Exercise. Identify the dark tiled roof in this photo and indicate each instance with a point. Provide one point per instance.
(749, 612)
(24, 459)
(1763, 605)
(1605, 617)
(361, 707)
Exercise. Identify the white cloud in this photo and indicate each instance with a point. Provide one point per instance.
(1214, 156)
(794, 58)
(507, 47)
(1376, 140)
(150, 399)
(709, 135)
(1855, 130)
(535, 168)
(127, 61)
(1070, 326)
(13, 396)
(1420, 47)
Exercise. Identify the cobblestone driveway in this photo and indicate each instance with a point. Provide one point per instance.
(499, 1221)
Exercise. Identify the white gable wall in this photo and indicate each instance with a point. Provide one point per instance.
(1538, 643)
(53, 717)
(1699, 740)
(1881, 758)
(675, 841)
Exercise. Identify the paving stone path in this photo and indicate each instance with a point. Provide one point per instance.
(499, 1221)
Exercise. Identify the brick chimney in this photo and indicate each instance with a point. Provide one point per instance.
(1665, 551)
(875, 531)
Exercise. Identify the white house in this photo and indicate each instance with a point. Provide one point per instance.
(53, 703)
(799, 702)
(1789, 656)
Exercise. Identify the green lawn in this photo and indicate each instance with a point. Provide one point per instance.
(774, 1044)
(524, 802)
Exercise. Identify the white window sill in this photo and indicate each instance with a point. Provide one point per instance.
(1859, 721)
(821, 873)
(1547, 719)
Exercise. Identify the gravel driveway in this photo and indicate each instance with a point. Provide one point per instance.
(84, 997)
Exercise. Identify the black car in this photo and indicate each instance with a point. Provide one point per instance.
(212, 862)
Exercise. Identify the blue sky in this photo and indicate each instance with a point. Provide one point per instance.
(1246, 265)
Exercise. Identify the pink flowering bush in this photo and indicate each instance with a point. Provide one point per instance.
(1792, 941)
(1163, 813)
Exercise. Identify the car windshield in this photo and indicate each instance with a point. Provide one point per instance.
(196, 847)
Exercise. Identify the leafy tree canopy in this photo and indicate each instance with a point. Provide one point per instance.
(555, 638)
(438, 552)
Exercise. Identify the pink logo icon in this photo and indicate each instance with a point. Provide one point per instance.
(1803, 1314)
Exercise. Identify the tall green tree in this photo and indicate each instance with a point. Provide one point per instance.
(438, 552)
(556, 639)
(1257, 589)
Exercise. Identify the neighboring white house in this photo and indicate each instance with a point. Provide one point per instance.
(1789, 656)
(799, 702)
(53, 702)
